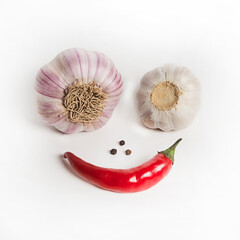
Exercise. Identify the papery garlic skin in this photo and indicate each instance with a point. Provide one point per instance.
(188, 100)
(76, 66)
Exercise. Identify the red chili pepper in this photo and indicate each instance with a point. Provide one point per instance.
(125, 180)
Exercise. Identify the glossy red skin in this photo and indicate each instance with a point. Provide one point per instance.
(122, 180)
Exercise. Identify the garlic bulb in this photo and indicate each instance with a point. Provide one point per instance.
(168, 98)
(78, 90)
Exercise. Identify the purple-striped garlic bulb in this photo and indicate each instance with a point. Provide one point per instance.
(78, 90)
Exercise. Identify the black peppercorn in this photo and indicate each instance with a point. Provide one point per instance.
(113, 151)
(122, 142)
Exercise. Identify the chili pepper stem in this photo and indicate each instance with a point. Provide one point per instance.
(169, 153)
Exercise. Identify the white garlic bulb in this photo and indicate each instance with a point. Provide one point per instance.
(168, 98)
(78, 90)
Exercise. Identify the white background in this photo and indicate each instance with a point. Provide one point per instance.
(41, 199)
